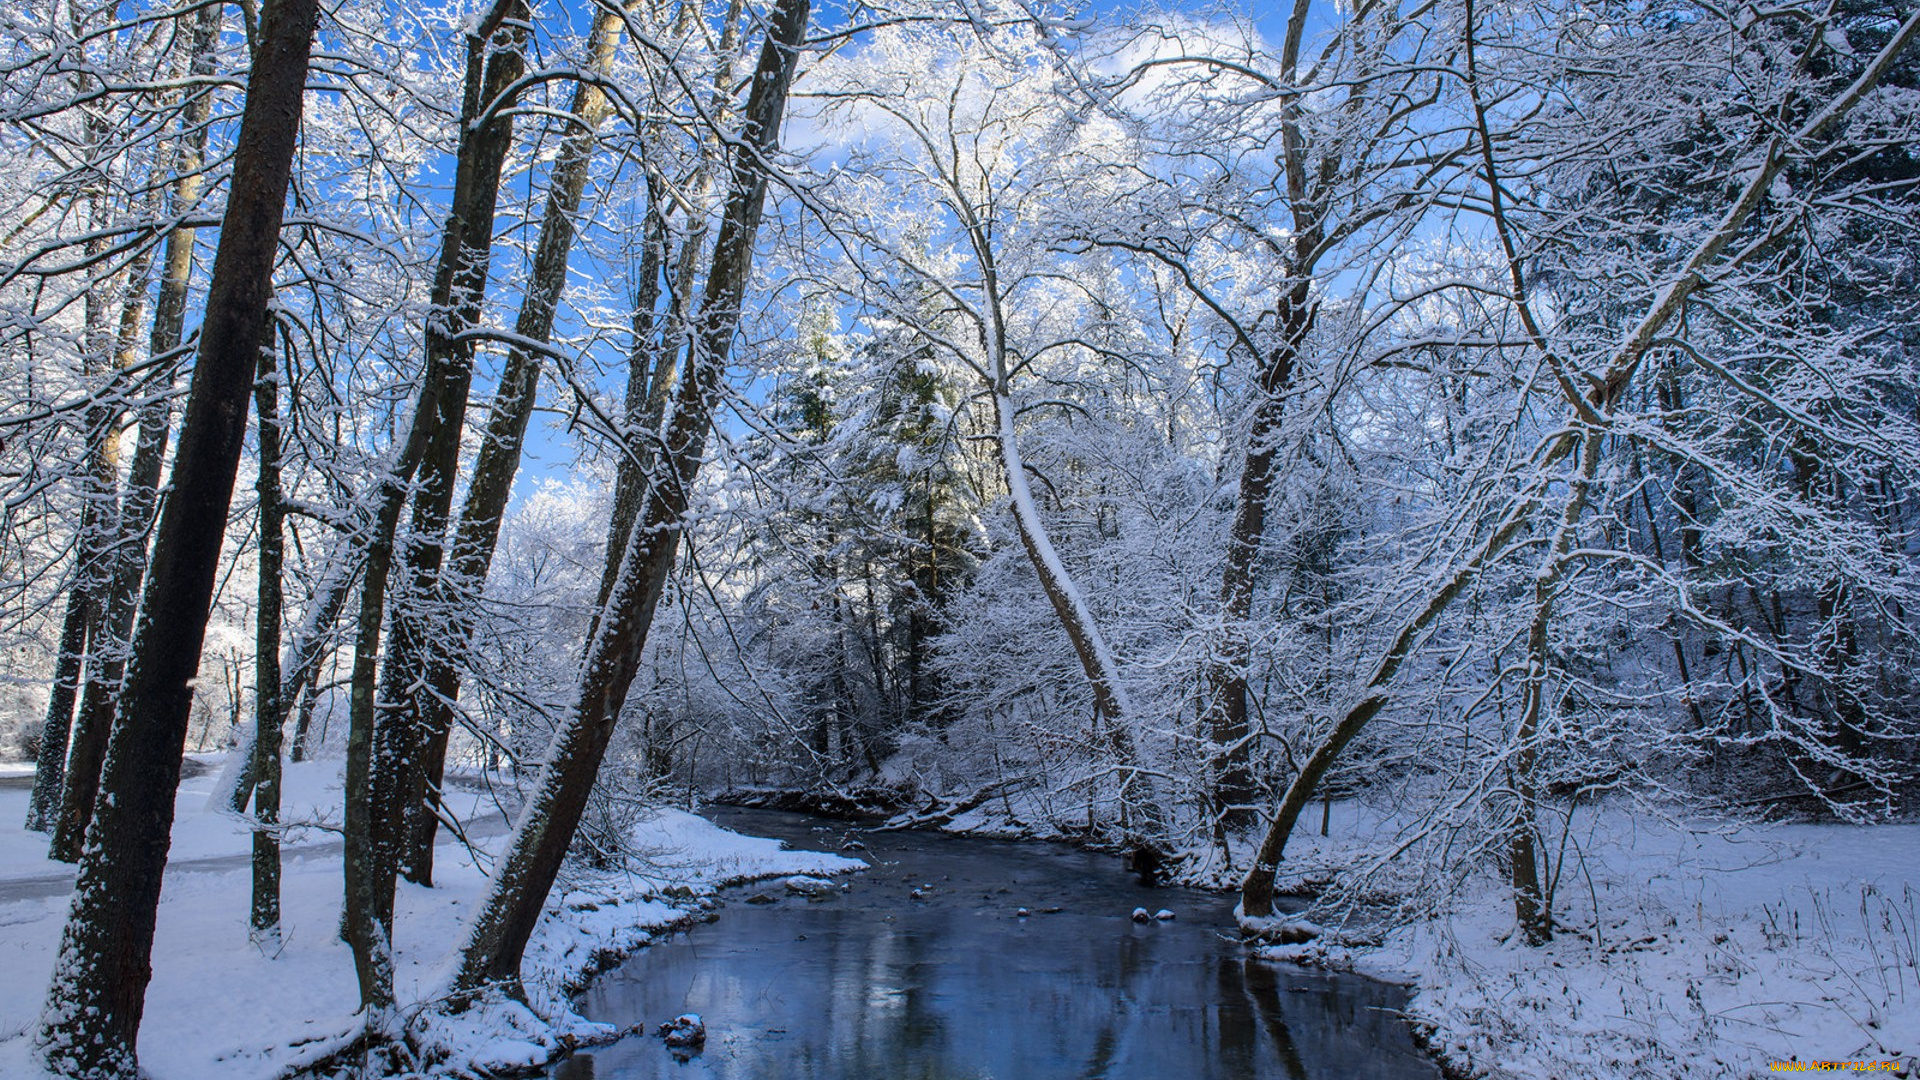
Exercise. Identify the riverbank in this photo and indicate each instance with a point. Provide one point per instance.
(222, 1008)
(1685, 948)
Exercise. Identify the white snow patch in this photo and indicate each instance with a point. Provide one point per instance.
(1684, 950)
(220, 1008)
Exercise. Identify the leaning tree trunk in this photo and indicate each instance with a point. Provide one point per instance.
(523, 878)
(91, 1019)
(1226, 679)
(422, 677)
(108, 663)
(114, 584)
(80, 628)
(376, 754)
(650, 386)
(307, 693)
(50, 767)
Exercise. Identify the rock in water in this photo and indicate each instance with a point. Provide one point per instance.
(1163, 915)
(685, 1030)
(762, 898)
(809, 886)
(1140, 915)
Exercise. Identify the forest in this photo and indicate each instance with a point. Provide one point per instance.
(1159, 427)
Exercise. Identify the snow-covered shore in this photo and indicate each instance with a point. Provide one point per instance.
(221, 1008)
(1717, 950)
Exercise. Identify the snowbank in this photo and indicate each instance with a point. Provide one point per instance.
(1683, 951)
(220, 1007)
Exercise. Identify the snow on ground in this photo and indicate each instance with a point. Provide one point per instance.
(1717, 951)
(220, 1007)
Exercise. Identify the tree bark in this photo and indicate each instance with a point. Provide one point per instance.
(1533, 910)
(268, 710)
(499, 934)
(307, 694)
(650, 386)
(1226, 718)
(108, 663)
(91, 1019)
(1227, 722)
(377, 752)
(50, 767)
(99, 511)
(425, 679)
(1111, 708)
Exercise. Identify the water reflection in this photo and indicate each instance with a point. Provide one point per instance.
(874, 983)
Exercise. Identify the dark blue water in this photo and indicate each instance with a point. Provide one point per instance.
(874, 984)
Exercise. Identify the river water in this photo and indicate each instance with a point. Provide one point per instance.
(876, 983)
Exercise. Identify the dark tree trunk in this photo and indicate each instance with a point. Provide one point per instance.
(521, 882)
(377, 753)
(50, 768)
(108, 664)
(91, 1020)
(1256, 890)
(308, 693)
(651, 386)
(425, 678)
(1227, 675)
(88, 626)
(268, 711)
(99, 513)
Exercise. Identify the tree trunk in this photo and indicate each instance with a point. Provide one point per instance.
(651, 386)
(523, 878)
(1533, 909)
(50, 768)
(1076, 617)
(307, 694)
(99, 512)
(268, 711)
(376, 754)
(1226, 709)
(91, 1019)
(1227, 724)
(108, 664)
(426, 679)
